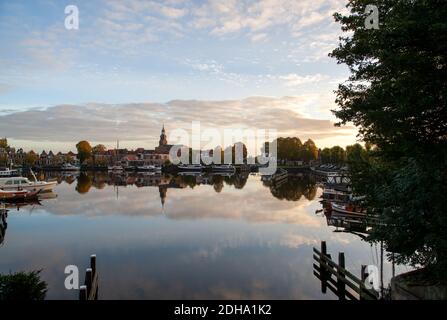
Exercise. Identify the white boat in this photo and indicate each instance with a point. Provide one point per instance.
(116, 168)
(22, 183)
(223, 168)
(149, 168)
(190, 167)
(69, 167)
(350, 210)
(6, 172)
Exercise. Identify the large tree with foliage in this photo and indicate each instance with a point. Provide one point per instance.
(99, 148)
(309, 150)
(396, 96)
(84, 150)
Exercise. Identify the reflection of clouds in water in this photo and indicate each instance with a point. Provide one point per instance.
(236, 244)
(297, 240)
(254, 203)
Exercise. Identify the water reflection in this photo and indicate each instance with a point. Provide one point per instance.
(183, 236)
(291, 189)
(3, 224)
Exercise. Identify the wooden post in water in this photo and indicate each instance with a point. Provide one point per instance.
(93, 263)
(88, 280)
(323, 272)
(83, 293)
(94, 274)
(340, 281)
(363, 276)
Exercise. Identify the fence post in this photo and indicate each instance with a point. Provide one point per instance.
(363, 277)
(340, 283)
(93, 263)
(83, 293)
(88, 280)
(323, 271)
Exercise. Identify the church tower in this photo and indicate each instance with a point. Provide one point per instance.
(163, 140)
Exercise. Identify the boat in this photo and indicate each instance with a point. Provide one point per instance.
(348, 209)
(11, 195)
(223, 168)
(149, 168)
(6, 172)
(190, 167)
(22, 183)
(190, 173)
(69, 167)
(334, 195)
(116, 168)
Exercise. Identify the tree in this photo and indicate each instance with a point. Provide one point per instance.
(3, 159)
(22, 286)
(396, 95)
(289, 148)
(84, 150)
(325, 155)
(310, 150)
(31, 158)
(338, 155)
(99, 149)
(4, 143)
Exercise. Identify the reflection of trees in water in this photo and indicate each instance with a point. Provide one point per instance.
(294, 188)
(99, 180)
(85, 182)
(218, 183)
(238, 180)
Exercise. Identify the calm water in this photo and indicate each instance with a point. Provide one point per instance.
(161, 237)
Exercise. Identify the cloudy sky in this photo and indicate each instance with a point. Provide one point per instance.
(133, 65)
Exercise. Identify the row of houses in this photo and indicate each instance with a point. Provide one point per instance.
(124, 157)
(137, 157)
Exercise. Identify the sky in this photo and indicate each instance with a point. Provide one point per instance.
(133, 65)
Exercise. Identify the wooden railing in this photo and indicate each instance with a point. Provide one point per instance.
(340, 281)
(89, 291)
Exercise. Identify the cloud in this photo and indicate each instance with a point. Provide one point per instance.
(141, 122)
(293, 79)
(234, 16)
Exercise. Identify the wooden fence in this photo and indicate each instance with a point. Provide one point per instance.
(89, 291)
(339, 280)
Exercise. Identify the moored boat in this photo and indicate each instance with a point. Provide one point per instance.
(69, 167)
(190, 167)
(11, 195)
(116, 168)
(348, 209)
(149, 168)
(22, 183)
(334, 195)
(6, 172)
(223, 168)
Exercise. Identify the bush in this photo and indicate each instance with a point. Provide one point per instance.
(22, 286)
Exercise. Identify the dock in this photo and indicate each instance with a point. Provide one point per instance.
(89, 291)
(336, 278)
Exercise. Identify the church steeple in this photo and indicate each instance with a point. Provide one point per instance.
(163, 140)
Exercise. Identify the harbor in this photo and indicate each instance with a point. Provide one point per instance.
(150, 223)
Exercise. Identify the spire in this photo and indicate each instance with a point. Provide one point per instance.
(163, 140)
